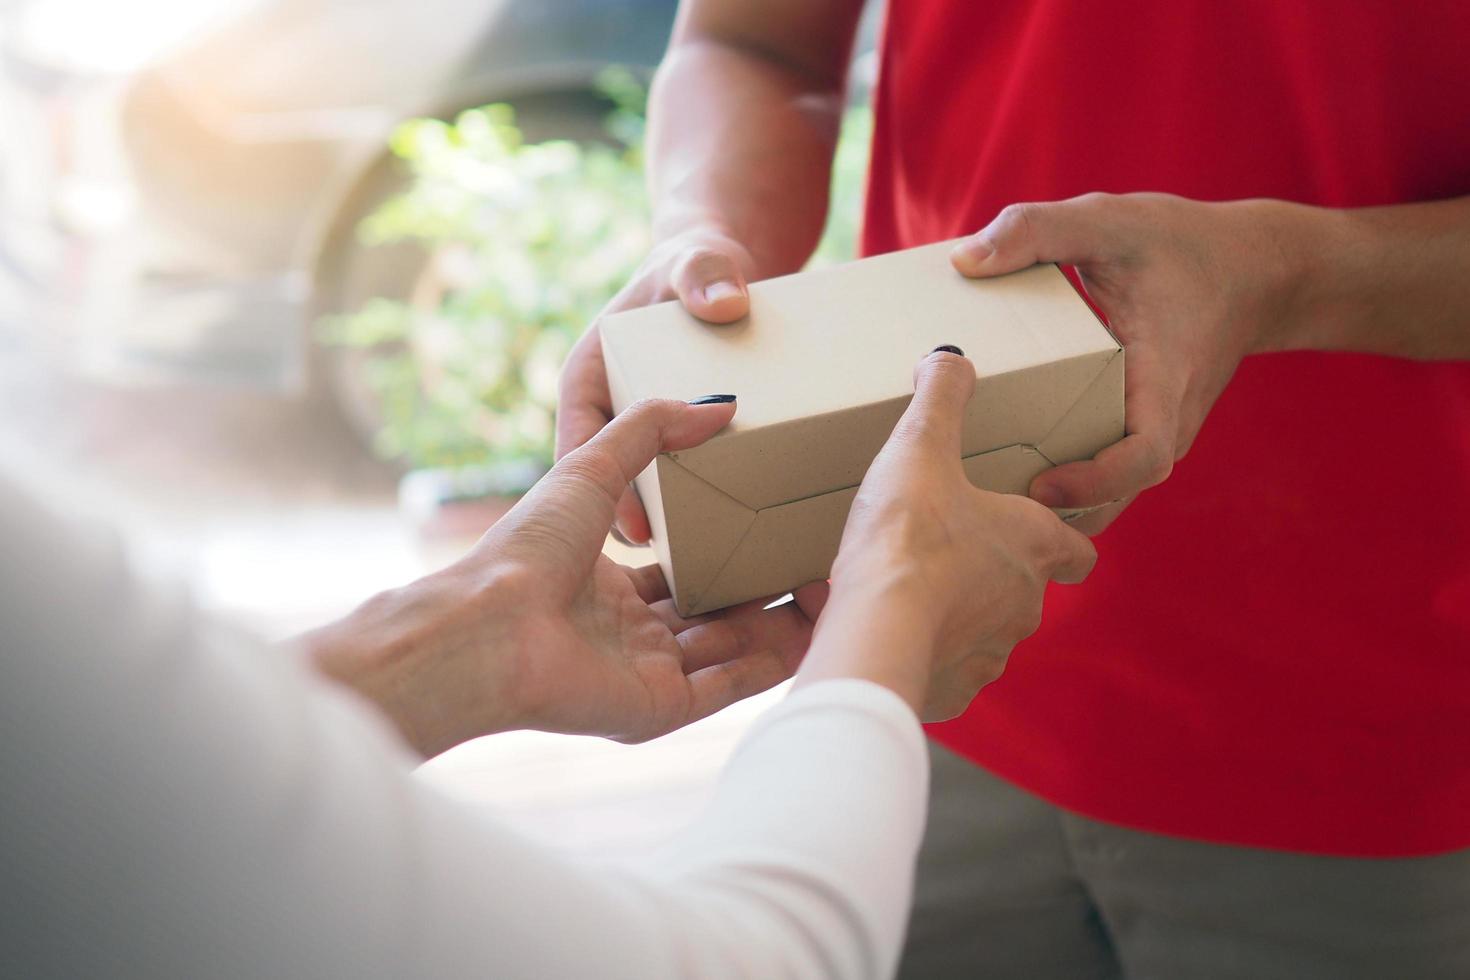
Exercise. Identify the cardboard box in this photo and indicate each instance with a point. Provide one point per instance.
(823, 368)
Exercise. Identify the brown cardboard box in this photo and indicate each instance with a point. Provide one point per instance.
(823, 368)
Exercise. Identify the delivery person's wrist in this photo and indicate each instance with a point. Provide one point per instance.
(762, 244)
(1294, 280)
(676, 219)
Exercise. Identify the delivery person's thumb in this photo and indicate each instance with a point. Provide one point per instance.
(710, 284)
(1071, 232)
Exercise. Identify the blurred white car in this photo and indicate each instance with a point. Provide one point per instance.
(180, 181)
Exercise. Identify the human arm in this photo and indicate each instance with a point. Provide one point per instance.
(936, 581)
(182, 802)
(743, 118)
(1191, 288)
(1387, 280)
(536, 628)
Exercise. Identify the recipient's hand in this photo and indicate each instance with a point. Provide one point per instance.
(536, 628)
(705, 270)
(1189, 288)
(936, 580)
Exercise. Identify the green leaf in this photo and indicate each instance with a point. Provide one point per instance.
(526, 242)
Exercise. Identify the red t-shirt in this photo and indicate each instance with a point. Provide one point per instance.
(1274, 649)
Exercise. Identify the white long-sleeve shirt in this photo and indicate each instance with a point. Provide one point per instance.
(178, 801)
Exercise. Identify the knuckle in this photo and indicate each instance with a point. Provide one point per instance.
(1052, 552)
(1033, 517)
(1032, 513)
(1091, 486)
(515, 582)
(1158, 462)
(1048, 540)
(1081, 546)
(985, 665)
(702, 262)
(643, 408)
(595, 465)
(1184, 445)
(1068, 543)
(1020, 217)
(919, 526)
(650, 413)
(1028, 619)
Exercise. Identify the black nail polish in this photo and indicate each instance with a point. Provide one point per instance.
(948, 348)
(712, 400)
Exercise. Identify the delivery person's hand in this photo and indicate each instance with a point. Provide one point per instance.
(702, 268)
(936, 580)
(536, 628)
(1189, 288)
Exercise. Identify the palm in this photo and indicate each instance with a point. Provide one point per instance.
(600, 648)
(618, 661)
(617, 658)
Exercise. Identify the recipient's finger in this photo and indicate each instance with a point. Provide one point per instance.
(710, 284)
(649, 583)
(725, 638)
(745, 655)
(931, 426)
(668, 614)
(1072, 232)
(812, 598)
(573, 505)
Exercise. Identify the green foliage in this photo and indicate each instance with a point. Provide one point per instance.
(526, 242)
(849, 175)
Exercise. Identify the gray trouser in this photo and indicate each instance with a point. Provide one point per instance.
(1012, 887)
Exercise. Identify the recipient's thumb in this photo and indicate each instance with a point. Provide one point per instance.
(710, 285)
(932, 426)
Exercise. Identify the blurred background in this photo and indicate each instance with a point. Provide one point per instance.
(285, 286)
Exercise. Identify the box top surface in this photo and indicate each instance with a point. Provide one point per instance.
(849, 335)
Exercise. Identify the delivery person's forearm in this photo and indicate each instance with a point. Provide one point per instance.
(1389, 280)
(738, 143)
(741, 140)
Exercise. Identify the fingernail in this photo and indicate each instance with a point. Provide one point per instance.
(712, 400)
(717, 292)
(949, 349)
(1048, 494)
(972, 250)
